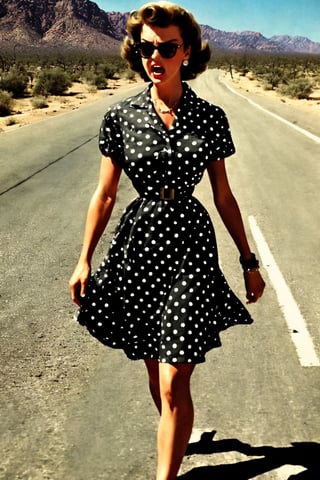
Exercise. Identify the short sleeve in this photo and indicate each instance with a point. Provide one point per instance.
(220, 138)
(110, 136)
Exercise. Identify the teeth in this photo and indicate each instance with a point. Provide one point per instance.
(157, 69)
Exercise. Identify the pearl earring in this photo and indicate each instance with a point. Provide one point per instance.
(185, 63)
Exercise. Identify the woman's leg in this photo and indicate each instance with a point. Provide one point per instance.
(176, 419)
(170, 390)
(153, 372)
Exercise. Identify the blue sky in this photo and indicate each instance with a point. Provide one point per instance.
(269, 17)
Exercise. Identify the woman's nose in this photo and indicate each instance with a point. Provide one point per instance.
(155, 53)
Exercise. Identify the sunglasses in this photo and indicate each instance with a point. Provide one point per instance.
(166, 49)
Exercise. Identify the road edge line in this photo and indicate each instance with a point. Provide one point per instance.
(296, 323)
(304, 132)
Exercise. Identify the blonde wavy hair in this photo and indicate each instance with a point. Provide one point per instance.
(162, 14)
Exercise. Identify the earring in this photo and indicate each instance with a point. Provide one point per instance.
(185, 63)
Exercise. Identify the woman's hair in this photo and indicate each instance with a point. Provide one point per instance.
(163, 14)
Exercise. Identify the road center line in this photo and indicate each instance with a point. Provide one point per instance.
(295, 321)
(304, 132)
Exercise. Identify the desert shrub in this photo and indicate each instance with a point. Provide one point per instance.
(107, 69)
(39, 102)
(87, 76)
(15, 82)
(91, 89)
(270, 82)
(6, 103)
(11, 121)
(130, 75)
(74, 75)
(52, 82)
(97, 80)
(299, 88)
(272, 79)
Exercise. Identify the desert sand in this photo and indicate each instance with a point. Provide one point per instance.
(80, 94)
(247, 84)
(76, 96)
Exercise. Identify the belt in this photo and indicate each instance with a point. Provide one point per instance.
(168, 194)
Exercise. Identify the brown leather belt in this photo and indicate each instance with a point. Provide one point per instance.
(167, 193)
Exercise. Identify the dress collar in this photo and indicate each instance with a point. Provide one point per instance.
(143, 99)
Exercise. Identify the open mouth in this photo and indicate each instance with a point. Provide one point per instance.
(158, 70)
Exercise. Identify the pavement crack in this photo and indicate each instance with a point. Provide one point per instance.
(32, 175)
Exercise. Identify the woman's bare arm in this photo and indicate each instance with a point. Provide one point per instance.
(99, 212)
(230, 214)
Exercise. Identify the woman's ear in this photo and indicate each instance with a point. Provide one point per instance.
(187, 53)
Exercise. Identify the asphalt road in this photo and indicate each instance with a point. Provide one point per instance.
(74, 410)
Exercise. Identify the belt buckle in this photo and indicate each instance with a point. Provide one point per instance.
(167, 193)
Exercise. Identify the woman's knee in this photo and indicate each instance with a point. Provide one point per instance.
(174, 381)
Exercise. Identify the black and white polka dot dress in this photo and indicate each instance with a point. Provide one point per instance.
(160, 293)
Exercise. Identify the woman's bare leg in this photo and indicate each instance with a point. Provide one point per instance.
(170, 390)
(153, 372)
(176, 419)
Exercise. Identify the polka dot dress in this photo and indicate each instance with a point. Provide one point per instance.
(160, 293)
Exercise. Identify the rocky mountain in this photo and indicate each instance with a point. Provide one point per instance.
(239, 41)
(296, 44)
(57, 23)
(82, 24)
(254, 41)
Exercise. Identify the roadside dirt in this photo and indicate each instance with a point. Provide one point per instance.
(80, 94)
(76, 96)
(304, 113)
(308, 111)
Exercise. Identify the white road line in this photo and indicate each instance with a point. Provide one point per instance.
(304, 132)
(295, 321)
(289, 471)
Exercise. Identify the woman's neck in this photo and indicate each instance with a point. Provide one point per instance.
(170, 96)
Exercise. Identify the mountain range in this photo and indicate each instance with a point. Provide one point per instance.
(82, 24)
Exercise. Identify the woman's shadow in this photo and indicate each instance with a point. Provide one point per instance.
(304, 454)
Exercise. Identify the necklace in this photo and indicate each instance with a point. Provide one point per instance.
(163, 108)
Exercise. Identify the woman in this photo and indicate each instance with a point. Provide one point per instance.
(160, 295)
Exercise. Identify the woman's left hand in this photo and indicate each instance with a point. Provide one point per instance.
(254, 285)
